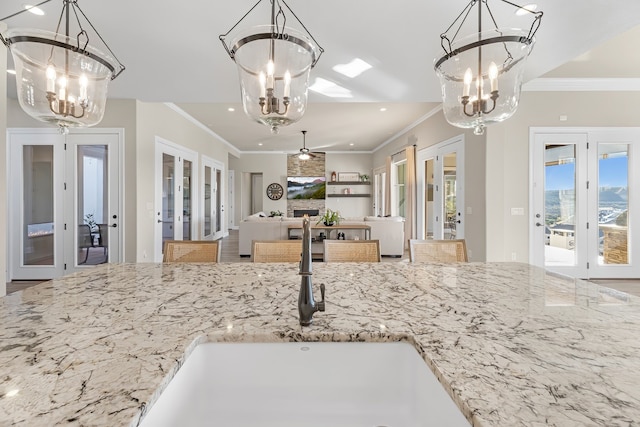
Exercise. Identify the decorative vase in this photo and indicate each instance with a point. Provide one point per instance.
(328, 224)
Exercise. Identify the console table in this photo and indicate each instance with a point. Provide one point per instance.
(330, 228)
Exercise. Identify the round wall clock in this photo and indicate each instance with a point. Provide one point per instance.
(275, 191)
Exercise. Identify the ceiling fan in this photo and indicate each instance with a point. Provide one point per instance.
(305, 154)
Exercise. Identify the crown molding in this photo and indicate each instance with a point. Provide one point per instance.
(582, 85)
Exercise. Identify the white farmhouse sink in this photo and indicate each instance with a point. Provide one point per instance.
(304, 385)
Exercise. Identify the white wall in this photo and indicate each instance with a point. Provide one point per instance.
(508, 157)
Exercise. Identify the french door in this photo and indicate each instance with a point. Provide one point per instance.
(584, 206)
(175, 183)
(65, 201)
(440, 199)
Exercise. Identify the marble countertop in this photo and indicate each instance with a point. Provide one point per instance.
(512, 345)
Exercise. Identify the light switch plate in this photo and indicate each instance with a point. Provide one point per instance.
(517, 211)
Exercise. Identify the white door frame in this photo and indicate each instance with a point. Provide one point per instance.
(180, 153)
(64, 203)
(115, 187)
(216, 167)
(586, 228)
(437, 152)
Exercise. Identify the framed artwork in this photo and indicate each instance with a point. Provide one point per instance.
(348, 176)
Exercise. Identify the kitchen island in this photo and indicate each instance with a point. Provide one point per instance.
(512, 345)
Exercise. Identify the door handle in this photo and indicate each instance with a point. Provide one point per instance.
(159, 221)
(459, 222)
(114, 225)
(538, 224)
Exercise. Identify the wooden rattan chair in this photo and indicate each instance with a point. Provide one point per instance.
(191, 251)
(276, 250)
(351, 250)
(437, 250)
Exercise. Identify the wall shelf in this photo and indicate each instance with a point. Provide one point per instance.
(349, 195)
(349, 183)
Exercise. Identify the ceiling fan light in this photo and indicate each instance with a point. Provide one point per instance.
(304, 156)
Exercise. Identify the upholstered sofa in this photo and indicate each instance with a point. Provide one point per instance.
(388, 230)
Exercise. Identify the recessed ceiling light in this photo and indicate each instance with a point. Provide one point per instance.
(383, 109)
(260, 144)
(353, 68)
(33, 9)
(231, 109)
(524, 10)
(11, 72)
(330, 89)
(351, 144)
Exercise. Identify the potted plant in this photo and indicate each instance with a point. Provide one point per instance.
(330, 217)
(364, 178)
(91, 222)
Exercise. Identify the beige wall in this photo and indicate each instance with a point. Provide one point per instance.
(273, 167)
(158, 120)
(508, 157)
(432, 131)
(3, 178)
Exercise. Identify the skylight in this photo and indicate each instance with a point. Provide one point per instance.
(33, 9)
(353, 68)
(330, 89)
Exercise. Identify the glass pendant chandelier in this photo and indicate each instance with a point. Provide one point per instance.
(274, 62)
(481, 74)
(60, 78)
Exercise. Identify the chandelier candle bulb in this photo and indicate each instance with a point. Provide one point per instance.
(468, 78)
(270, 75)
(262, 80)
(51, 79)
(287, 84)
(493, 76)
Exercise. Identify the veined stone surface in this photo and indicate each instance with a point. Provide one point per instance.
(512, 345)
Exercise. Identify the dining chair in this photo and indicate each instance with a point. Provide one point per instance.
(276, 250)
(351, 250)
(103, 238)
(437, 250)
(191, 251)
(85, 241)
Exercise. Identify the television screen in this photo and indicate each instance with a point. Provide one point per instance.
(306, 187)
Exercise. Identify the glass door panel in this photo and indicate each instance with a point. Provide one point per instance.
(187, 199)
(429, 208)
(92, 195)
(613, 204)
(560, 205)
(449, 194)
(207, 201)
(168, 197)
(218, 203)
(39, 234)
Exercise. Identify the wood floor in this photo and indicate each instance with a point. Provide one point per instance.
(230, 254)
